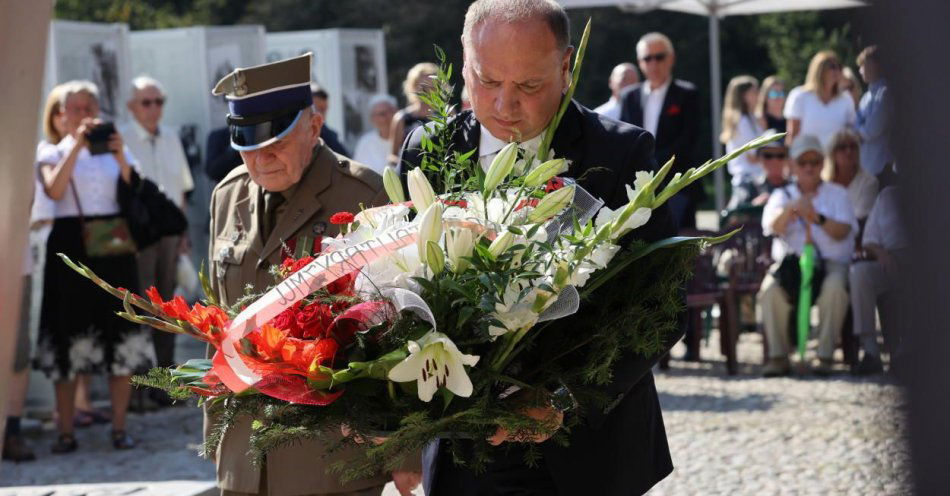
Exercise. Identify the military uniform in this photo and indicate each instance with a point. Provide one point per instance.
(239, 257)
(253, 230)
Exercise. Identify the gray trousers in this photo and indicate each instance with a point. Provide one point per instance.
(832, 305)
(158, 265)
(870, 286)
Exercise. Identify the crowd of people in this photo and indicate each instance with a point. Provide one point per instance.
(831, 183)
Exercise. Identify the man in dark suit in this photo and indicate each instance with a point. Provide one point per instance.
(668, 109)
(514, 95)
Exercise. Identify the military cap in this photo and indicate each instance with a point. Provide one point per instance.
(265, 101)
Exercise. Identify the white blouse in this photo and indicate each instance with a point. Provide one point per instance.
(95, 178)
(742, 168)
(832, 202)
(861, 193)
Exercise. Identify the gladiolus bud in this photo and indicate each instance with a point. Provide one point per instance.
(501, 243)
(459, 244)
(552, 204)
(500, 167)
(435, 259)
(420, 191)
(430, 228)
(542, 173)
(393, 185)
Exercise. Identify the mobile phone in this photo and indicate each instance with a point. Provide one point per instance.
(98, 138)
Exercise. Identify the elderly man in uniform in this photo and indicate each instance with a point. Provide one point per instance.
(280, 201)
(620, 449)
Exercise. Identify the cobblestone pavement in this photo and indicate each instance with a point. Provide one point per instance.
(796, 435)
(728, 435)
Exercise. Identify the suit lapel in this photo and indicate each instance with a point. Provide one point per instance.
(568, 136)
(305, 202)
(672, 98)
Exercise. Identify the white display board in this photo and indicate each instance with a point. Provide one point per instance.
(350, 64)
(188, 62)
(94, 52)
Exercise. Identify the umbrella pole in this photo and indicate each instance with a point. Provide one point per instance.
(715, 84)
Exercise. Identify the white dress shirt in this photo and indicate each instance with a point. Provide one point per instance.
(651, 101)
(161, 158)
(832, 202)
(862, 190)
(373, 150)
(94, 177)
(610, 108)
(884, 226)
(489, 146)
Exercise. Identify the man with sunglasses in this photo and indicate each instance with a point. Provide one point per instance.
(277, 205)
(773, 158)
(668, 109)
(162, 159)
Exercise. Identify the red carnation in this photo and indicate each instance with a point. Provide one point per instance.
(341, 218)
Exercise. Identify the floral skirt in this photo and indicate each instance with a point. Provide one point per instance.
(79, 331)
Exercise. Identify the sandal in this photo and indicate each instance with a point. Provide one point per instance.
(66, 443)
(122, 441)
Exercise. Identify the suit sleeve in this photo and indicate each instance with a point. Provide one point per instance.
(626, 112)
(631, 368)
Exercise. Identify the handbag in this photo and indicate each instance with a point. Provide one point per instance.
(151, 215)
(104, 237)
(789, 275)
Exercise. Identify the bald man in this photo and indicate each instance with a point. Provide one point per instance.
(623, 76)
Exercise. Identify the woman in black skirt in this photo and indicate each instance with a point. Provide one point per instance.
(79, 331)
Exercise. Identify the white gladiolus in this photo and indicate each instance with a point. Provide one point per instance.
(420, 191)
(459, 243)
(393, 185)
(430, 227)
(435, 362)
(500, 167)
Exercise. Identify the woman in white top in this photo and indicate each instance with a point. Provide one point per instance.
(816, 211)
(739, 126)
(373, 148)
(79, 332)
(820, 108)
(843, 166)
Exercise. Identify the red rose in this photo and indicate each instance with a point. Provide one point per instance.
(313, 320)
(673, 110)
(287, 321)
(341, 218)
(343, 285)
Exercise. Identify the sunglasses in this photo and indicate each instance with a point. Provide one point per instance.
(847, 146)
(148, 102)
(776, 94)
(659, 57)
(773, 156)
(812, 163)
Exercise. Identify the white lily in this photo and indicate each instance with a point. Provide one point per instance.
(393, 185)
(420, 191)
(459, 243)
(430, 228)
(500, 167)
(514, 313)
(435, 362)
(501, 243)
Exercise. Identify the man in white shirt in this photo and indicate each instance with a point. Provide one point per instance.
(875, 277)
(161, 158)
(623, 76)
(373, 147)
(807, 211)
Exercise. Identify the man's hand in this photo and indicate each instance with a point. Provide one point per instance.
(552, 418)
(406, 481)
(805, 209)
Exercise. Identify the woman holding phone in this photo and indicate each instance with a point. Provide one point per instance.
(79, 332)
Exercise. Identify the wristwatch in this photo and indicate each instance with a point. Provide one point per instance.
(821, 219)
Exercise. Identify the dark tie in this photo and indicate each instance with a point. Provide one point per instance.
(272, 203)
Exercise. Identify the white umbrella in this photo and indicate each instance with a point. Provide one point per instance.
(715, 9)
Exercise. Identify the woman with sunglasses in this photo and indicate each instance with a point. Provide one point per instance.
(820, 108)
(843, 166)
(771, 103)
(808, 210)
